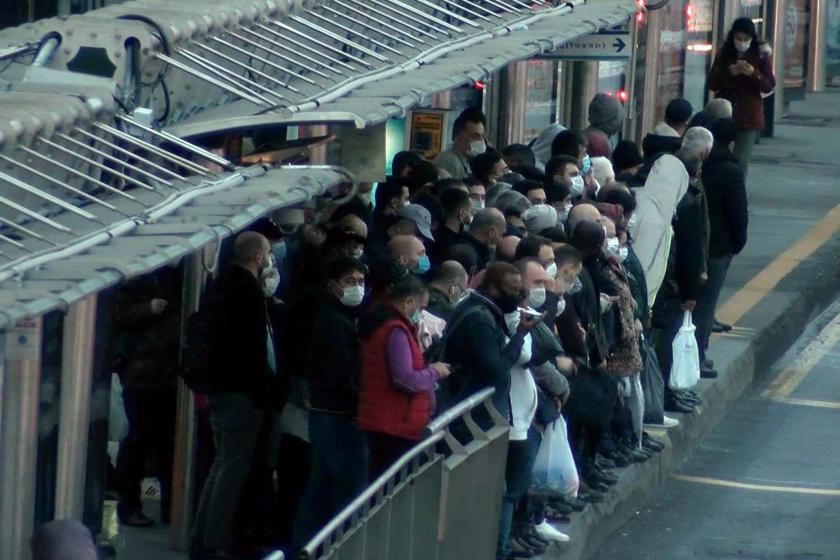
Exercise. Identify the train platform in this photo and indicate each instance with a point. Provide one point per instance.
(786, 276)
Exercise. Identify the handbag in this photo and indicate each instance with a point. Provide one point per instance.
(653, 385)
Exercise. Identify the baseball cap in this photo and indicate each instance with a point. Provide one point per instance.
(419, 216)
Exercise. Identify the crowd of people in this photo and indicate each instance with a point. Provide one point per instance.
(546, 271)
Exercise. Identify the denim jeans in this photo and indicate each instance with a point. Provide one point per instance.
(520, 466)
(704, 314)
(236, 425)
(338, 472)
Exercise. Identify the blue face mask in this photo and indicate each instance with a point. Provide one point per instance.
(416, 316)
(587, 165)
(423, 265)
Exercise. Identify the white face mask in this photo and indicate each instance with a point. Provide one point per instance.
(561, 306)
(573, 287)
(358, 253)
(512, 321)
(577, 185)
(537, 297)
(563, 215)
(477, 205)
(743, 46)
(606, 304)
(551, 272)
(632, 222)
(622, 254)
(612, 245)
(271, 280)
(353, 296)
(477, 147)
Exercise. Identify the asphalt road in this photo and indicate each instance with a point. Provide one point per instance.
(765, 483)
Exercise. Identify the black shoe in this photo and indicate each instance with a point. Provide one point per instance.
(598, 486)
(651, 443)
(636, 455)
(563, 507)
(708, 363)
(718, 327)
(675, 404)
(136, 519)
(708, 373)
(605, 463)
(592, 497)
(534, 541)
(518, 549)
(604, 476)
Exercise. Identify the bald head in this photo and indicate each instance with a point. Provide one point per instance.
(251, 250)
(353, 223)
(407, 249)
(450, 278)
(582, 213)
(506, 249)
(488, 226)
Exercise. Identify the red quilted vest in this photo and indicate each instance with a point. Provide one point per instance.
(383, 408)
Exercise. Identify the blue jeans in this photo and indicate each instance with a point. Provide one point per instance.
(704, 314)
(520, 466)
(338, 472)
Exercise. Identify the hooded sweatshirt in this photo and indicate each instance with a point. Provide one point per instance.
(650, 227)
(542, 144)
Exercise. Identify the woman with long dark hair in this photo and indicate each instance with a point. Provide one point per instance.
(742, 72)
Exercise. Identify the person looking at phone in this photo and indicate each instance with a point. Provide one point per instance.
(742, 72)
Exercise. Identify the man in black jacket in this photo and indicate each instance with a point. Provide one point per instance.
(243, 381)
(726, 193)
(339, 465)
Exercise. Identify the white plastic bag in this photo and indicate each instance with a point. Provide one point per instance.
(685, 367)
(117, 420)
(555, 468)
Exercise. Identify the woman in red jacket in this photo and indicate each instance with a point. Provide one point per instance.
(397, 388)
(742, 72)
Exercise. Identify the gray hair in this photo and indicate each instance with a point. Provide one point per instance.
(719, 108)
(697, 141)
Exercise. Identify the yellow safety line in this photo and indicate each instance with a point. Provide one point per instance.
(809, 402)
(789, 379)
(763, 283)
(759, 487)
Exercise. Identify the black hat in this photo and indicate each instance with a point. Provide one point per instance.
(744, 25)
(626, 154)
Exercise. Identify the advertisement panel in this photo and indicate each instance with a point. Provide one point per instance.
(796, 44)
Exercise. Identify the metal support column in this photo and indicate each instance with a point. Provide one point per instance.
(651, 86)
(183, 467)
(817, 45)
(21, 380)
(514, 98)
(777, 9)
(76, 375)
(584, 88)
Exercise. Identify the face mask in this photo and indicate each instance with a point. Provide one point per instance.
(271, 280)
(416, 317)
(632, 222)
(577, 186)
(606, 304)
(467, 219)
(358, 253)
(563, 215)
(551, 271)
(508, 303)
(477, 147)
(573, 287)
(537, 297)
(461, 298)
(477, 205)
(612, 246)
(743, 46)
(587, 165)
(423, 265)
(622, 254)
(561, 306)
(269, 265)
(512, 321)
(353, 296)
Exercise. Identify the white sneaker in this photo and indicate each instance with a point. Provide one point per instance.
(150, 489)
(547, 531)
(667, 422)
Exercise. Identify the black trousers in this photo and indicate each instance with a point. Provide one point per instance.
(150, 441)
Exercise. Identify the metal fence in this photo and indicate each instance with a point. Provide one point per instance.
(439, 501)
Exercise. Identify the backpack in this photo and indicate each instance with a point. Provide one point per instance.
(195, 352)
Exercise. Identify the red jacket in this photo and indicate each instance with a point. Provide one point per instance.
(382, 407)
(744, 92)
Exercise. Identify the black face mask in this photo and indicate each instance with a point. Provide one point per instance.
(508, 303)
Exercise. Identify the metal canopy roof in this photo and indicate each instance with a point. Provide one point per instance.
(88, 197)
(391, 94)
(355, 60)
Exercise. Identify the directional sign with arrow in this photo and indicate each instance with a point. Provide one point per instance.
(606, 45)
